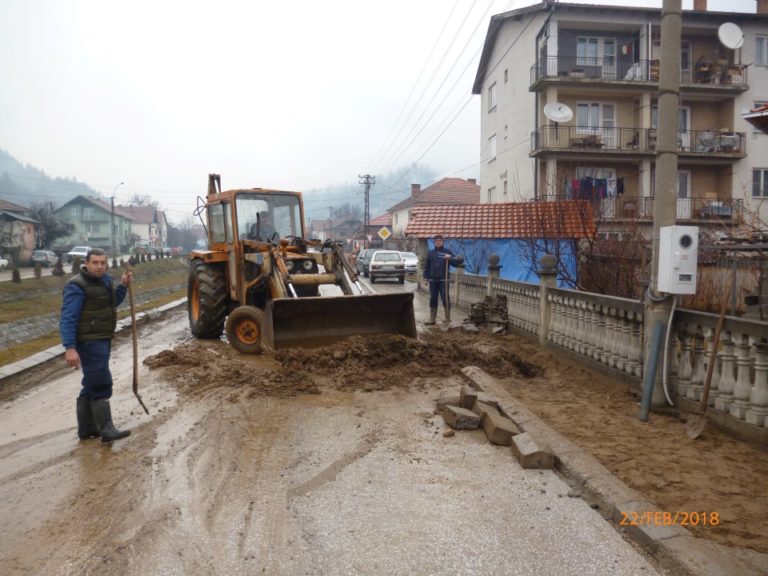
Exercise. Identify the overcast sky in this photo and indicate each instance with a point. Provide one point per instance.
(288, 94)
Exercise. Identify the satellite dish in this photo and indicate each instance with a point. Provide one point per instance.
(558, 112)
(730, 35)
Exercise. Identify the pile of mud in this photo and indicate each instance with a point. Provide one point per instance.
(357, 363)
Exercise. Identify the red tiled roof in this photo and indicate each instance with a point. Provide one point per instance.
(383, 220)
(564, 219)
(445, 191)
(139, 214)
(11, 207)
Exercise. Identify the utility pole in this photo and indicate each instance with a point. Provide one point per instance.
(367, 180)
(658, 306)
(112, 223)
(330, 220)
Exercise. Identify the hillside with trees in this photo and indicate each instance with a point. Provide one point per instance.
(27, 185)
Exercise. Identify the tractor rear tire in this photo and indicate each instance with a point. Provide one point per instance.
(244, 329)
(206, 300)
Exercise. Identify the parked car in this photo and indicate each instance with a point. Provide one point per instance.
(43, 257)
(411, 262)
(3, 263)
(364, 261)
(78, 252)
(387, 264)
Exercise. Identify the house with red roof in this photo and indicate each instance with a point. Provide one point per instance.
(448, 191)
(519, 233)
(149, 226)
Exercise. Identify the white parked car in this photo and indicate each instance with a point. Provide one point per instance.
(3, 263)
(411, 262)
(78, 252)
(387, 264)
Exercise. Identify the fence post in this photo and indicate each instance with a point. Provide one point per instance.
(548, 279)
(457, 283)
(494, 271)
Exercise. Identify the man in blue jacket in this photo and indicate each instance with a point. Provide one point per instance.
(87, 325)
(436, 271)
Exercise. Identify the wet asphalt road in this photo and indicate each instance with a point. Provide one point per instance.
(335, 483)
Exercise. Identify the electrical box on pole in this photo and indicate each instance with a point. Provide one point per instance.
(678, 259)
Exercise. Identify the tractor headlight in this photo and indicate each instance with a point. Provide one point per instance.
(289, 265)
(307, 265)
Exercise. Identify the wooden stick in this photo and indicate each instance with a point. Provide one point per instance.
(135, 344)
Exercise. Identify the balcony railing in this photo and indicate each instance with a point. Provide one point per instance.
(612, 69)
(607, 207)
(636, 140)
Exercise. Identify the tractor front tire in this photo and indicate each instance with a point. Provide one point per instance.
(206, 300)
(244, 329)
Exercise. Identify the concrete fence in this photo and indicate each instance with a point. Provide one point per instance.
(609, 331)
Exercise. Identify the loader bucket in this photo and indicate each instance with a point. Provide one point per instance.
(319, 321)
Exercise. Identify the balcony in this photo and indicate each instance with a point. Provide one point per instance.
(696, 210)
(710, 144)
(570, 70)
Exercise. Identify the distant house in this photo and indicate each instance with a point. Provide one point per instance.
(448, 191)
(518, 233)
(149, 226)
(92, 224)
(339, 229)
(18, 232)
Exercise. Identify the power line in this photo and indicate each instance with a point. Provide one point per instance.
(437, 91)
(421, 74)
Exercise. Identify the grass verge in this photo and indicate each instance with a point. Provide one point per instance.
(26, 349)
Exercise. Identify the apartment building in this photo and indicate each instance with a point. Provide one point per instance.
(570, 107)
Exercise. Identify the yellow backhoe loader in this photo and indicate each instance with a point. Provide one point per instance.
(261, 279)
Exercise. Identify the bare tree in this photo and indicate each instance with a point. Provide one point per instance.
(143, 200)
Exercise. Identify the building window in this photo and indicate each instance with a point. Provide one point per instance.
(492, 148)
(506, 75)
(506, 131)
(492, 97)
(491, 192)
(505, 188)
(395, 218)
(73, 211)
(760, 183)
(761, 50)
(87, 213)
(92, 228)
(593, 115)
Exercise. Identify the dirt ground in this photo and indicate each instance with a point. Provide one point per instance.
(711, 474)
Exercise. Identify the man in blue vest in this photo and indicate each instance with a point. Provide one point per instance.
(87, 325)
(436, 271)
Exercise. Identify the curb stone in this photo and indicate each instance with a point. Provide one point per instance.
(674, 546)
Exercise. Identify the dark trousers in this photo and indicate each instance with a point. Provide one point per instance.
(438, 287)
(94, 360)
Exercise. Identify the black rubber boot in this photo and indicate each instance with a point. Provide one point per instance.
(86, 426)
(432, 317)
(103, 416)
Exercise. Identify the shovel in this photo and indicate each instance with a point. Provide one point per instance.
(135, 339)
(696, 422)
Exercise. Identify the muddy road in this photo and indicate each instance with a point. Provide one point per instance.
(324, 462)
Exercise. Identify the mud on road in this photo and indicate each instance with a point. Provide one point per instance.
(203, 487)
(712, 474)
(357, 363)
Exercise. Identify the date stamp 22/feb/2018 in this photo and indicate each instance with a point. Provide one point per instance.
(666, 518)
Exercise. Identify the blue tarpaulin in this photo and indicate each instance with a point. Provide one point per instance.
(519, 259)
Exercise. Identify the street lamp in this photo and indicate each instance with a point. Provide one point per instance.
(112, 235)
